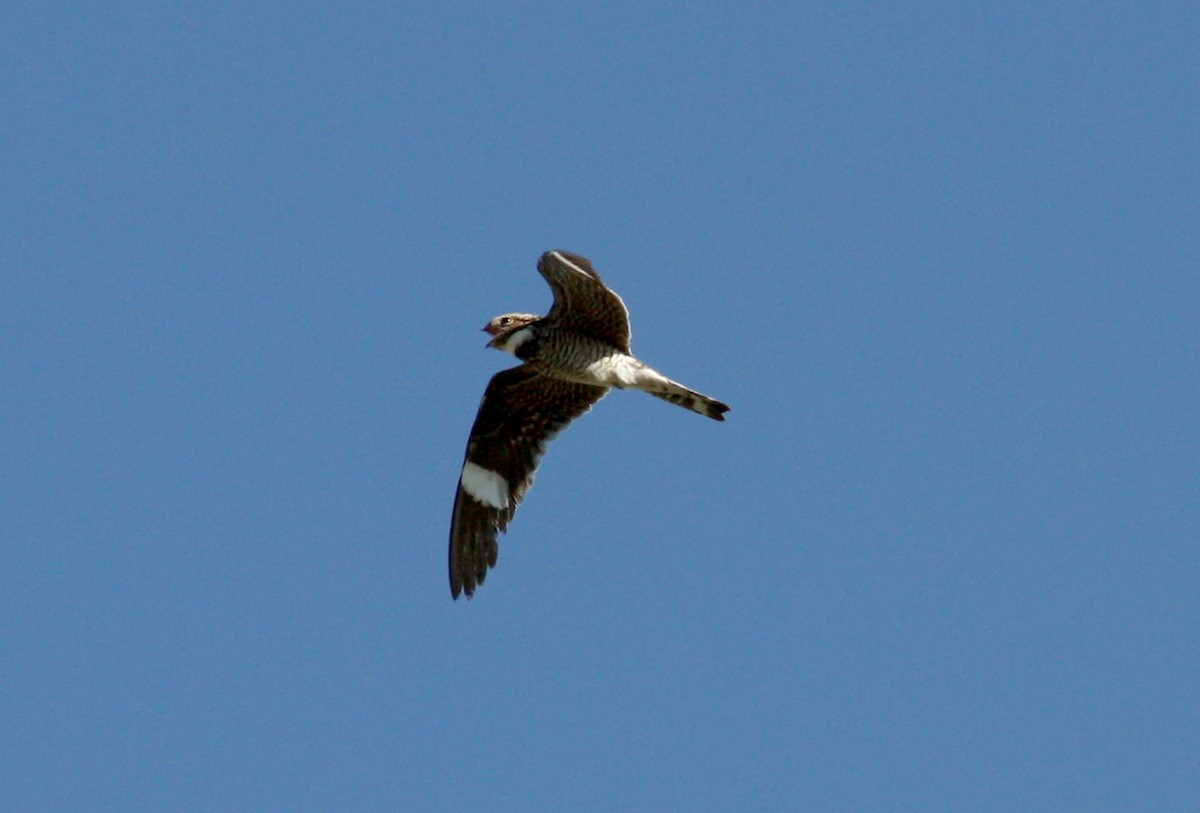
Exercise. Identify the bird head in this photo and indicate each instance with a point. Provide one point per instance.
(504, 330)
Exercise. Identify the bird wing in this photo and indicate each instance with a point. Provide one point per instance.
(582, 302)
(521, 412)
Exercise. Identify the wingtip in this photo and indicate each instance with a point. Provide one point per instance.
(460, 587)
(461, 581)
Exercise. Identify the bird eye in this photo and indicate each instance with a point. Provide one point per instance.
(504, 320)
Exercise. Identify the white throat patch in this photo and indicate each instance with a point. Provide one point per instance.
(515, 339)
(485, 485)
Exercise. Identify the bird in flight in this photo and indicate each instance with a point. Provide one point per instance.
(572, 357)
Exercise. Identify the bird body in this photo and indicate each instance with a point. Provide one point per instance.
(572, 357)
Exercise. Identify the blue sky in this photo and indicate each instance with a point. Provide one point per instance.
(941, 260)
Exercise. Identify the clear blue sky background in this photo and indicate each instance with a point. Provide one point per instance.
(942, 259)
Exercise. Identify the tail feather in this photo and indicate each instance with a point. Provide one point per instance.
(676, 393)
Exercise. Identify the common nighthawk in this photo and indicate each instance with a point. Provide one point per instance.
(572, 356)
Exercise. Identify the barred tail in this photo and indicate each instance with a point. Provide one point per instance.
(676, 393)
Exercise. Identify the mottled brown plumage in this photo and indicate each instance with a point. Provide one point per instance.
(572, 357)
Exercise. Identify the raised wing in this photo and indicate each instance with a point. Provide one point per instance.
(582, 302)
(521, 412)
